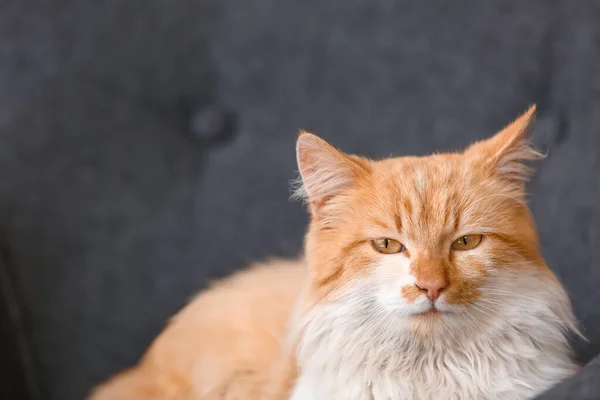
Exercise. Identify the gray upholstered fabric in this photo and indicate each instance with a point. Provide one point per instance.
(583, 386)
(113, 214)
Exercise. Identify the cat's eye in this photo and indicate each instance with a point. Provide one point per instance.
(467, 242)
(388, 246)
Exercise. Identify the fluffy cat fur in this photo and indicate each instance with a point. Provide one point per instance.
(350, 323)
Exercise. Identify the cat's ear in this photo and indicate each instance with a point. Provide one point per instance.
(508, 149)
(325, 171)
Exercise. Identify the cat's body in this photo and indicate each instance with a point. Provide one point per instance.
(222, 345)
(422, 279)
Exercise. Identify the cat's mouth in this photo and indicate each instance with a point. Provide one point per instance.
(432, 311)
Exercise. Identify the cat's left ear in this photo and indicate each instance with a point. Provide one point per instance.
(507, 150)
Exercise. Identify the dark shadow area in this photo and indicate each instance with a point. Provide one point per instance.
(18, 377)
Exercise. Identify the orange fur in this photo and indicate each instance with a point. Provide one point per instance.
(222, 345)
(229, 342)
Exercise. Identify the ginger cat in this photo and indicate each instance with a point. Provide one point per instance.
(422, 279)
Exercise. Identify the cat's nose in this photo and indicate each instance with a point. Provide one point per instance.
(433, 288)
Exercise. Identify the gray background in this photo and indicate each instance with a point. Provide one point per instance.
(113, 212)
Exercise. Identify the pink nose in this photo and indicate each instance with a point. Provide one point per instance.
(433, 288)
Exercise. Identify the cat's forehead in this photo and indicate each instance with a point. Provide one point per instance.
(438, 173)
(423, 193)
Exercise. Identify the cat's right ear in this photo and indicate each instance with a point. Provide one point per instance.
(325, 171)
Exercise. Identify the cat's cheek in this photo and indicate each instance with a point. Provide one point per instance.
(390, 300)
(468, 274)
(394, 281)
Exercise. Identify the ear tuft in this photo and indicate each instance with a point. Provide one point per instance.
(509, 149)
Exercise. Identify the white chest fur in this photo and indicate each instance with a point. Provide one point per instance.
(447, 376)
(355, 351)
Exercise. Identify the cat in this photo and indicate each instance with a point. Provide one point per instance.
(421, 279)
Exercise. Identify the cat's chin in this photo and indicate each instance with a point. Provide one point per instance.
(430, 309)
(432, 312)
(423, 309)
